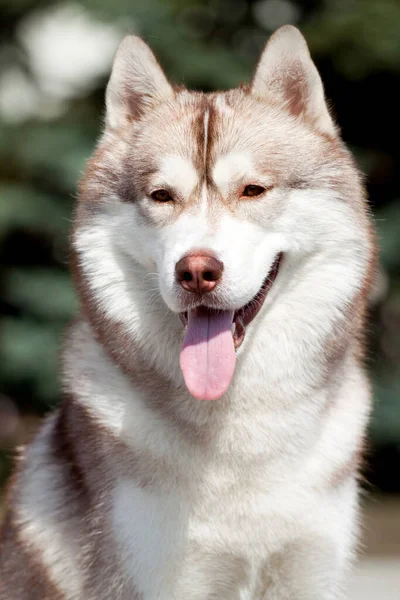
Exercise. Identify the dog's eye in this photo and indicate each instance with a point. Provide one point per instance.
(161, 196)
(253, 190)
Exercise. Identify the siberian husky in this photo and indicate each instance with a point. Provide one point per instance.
(215, 398)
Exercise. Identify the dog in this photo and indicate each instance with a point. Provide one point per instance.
(210, 437)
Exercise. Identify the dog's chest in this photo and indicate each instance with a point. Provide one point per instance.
(197, 543)
(226, 543)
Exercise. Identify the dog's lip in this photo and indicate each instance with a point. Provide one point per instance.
(247, 313)
(244, 315)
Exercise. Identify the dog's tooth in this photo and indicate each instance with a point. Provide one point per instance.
(233, 328)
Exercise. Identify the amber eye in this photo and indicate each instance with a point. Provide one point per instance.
(253, 190)
(161, 196)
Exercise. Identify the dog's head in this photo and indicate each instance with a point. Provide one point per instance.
(215, 201)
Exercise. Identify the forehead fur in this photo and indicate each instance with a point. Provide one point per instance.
(205, 129)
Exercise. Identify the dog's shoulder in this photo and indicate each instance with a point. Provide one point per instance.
(47, 503)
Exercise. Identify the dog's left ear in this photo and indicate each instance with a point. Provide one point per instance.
(136, 84)
(286, 71)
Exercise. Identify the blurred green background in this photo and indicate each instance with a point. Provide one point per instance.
(54, 61)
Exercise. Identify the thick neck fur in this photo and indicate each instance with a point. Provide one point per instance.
(287, 370)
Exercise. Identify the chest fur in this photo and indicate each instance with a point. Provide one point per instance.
(209, 539)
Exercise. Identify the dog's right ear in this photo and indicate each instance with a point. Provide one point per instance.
(137, 82)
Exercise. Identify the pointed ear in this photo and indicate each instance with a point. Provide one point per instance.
(137, 82)
(286, 71)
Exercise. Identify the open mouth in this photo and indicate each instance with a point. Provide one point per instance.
(246, 314)
(243, 316)
(212, 336)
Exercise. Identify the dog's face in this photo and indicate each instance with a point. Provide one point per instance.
(214, 176)
(219, 194)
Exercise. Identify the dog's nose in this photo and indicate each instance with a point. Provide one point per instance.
(198, 273)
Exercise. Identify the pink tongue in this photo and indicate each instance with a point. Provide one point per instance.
(208, 355)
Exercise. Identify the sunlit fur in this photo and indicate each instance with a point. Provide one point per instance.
(136, 490)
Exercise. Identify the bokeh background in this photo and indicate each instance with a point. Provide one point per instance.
(54, 61)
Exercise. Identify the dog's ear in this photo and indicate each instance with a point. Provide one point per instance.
(287, 72)
(137, 82)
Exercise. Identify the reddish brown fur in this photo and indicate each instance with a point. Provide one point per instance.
(20, 569)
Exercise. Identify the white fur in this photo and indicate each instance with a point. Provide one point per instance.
(149, 552)
(232, 168)
(179, 173)
(206, 121)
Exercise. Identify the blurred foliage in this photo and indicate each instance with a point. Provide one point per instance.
(46, 135)
(360, 35)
